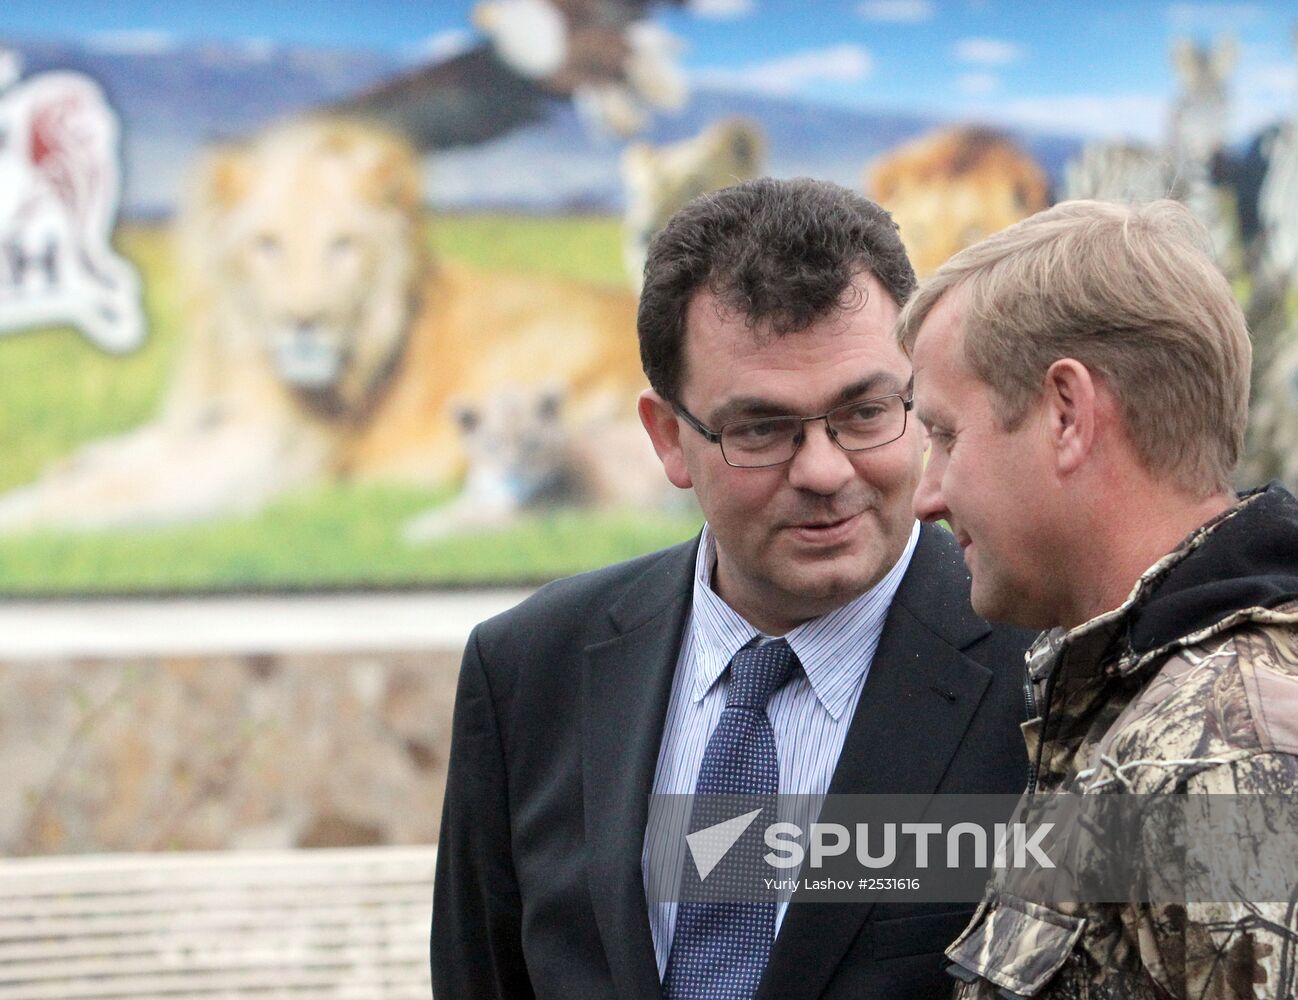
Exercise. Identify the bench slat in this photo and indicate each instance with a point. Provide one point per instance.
(224, 957)
(302, 897)
(322, 985)
(20, 879)
(251, 920)
(339, 924)
(323, 934)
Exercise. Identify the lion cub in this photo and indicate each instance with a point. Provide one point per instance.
(524, 457)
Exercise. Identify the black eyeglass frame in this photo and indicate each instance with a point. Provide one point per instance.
(714, 437)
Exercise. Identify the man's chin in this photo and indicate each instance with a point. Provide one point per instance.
(996, 604)
(829, 582)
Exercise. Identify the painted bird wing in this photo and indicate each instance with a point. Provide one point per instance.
(466, 99)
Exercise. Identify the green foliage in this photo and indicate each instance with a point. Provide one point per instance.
(585, 248)
(325, 538)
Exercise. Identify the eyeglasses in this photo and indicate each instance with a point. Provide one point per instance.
(764, 441)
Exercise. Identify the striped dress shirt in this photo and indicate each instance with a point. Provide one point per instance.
(810, 714)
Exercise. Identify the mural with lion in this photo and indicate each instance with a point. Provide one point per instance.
(322, 341)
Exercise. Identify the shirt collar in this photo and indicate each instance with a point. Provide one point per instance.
(835, 649)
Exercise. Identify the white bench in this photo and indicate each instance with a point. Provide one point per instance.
(345, 924)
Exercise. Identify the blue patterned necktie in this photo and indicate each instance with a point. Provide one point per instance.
(719, 950)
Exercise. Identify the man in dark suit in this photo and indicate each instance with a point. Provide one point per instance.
(813, 639)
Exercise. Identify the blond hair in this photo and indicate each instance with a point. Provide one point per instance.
(1132, 293)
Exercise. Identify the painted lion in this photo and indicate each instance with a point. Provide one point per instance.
(659, 180)
(949, 189)
(322, 342)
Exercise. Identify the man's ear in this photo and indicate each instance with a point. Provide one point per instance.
(1071, 402)
(664, 429)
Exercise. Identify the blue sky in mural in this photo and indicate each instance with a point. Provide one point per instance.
(1082, 68)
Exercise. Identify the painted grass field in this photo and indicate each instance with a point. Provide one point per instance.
(57, 391)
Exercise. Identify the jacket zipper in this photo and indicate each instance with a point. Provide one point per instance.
(1031, 701)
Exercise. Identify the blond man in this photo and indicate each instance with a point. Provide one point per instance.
(1084, 379)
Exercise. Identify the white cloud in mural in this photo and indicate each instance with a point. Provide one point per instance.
(1139, 116)
(258, 49)
(1273, 80)
(441, 46)
(988, 51)
(978, 84)
(1212, 16)
(1263, 93)
(897, 11)
(787, 74)
(132, 43)
(721, 9)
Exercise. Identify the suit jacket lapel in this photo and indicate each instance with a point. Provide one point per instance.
(626, 687)
(918, 700)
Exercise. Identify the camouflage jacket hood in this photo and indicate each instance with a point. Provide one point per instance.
(1191, 685)
(1246, 559)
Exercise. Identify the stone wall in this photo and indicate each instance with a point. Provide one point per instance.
(206, 753)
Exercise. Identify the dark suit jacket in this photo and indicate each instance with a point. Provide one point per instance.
(558, 720)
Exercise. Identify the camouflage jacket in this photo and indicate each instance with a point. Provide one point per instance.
(1190, 686)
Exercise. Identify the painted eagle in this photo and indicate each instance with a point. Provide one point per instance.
(606, 56)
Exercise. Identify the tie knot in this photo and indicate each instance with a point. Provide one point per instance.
(757, 672)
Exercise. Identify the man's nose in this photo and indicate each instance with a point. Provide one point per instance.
(820, 465)
(929, 504)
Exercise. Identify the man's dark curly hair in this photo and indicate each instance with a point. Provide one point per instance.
(781, 253)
